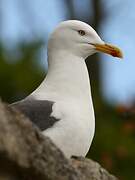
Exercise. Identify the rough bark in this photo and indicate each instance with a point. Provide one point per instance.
(25, 154)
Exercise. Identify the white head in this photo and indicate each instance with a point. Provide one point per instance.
(79, 39)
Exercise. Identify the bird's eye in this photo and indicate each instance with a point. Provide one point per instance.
(81, 32)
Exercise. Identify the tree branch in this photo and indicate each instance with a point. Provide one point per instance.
(26, 154)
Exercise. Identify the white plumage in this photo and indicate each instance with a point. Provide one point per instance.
(67, 86)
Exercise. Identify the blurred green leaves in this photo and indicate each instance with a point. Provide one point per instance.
(113, 145)
(20, 72)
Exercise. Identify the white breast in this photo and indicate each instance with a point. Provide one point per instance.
(73, 134)
(67, 85)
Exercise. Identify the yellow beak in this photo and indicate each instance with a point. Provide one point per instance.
(109, 49)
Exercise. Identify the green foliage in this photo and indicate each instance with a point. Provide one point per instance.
(113, 145)
(20, 72)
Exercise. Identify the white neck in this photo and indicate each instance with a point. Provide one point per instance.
(67, 77)
(67, 84)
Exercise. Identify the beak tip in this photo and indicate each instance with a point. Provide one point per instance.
(117, 54)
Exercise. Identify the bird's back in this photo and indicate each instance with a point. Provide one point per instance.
(38, 111)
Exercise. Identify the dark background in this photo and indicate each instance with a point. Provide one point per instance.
(24, 32)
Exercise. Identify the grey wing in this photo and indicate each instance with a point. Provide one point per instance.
(38, 111)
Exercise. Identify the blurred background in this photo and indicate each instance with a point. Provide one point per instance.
(24, 30)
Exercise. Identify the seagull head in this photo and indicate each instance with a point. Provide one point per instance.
(79, 39)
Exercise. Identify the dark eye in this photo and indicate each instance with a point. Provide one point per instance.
(81, 32)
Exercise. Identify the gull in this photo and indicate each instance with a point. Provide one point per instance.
(62, 105)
